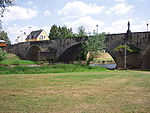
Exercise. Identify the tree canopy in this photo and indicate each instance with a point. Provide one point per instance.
(81, 31)
(4, 4)
(93, 45)
(3, 36)
(60, 32)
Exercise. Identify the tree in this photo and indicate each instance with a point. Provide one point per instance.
(66, 32)
(60, 32)
(4, 4)
(3, 36)
(2, 55)
(81, 31)
(53, 32)
(93, 45)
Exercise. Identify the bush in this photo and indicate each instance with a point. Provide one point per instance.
(2, 55)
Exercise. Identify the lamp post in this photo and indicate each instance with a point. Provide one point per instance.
(125, 46)
(125, 56)
(93, 32)
(97, 28)
(29, 29)
(147, 26)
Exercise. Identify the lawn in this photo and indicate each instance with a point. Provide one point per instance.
(78, 92)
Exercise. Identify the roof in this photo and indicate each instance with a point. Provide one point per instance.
(34, 34)
(2, 41)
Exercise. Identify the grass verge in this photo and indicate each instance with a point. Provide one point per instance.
(57, 68)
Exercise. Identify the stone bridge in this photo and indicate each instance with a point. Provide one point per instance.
(62, 50)
(140, 41)
(66, 50)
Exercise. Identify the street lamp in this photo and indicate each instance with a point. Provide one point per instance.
(93, 32)
(147, 26)
(29, 29)
(125, 47)
(97, 28)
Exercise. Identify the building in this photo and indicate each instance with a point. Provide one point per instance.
(38, 35)
(22, 38)
(2, 44)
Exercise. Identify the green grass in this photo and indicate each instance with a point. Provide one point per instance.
(16, 62)
(88, 92)
(12, 59)
(57, 68)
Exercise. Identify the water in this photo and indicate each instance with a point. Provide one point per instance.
(108, 66)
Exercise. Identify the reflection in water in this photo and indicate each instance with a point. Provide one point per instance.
(108, 66)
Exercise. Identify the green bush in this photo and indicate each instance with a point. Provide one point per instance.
(129, 48)
(2, 55)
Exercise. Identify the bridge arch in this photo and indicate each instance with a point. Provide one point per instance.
(70, 53)
(146, 60)
(32, 53)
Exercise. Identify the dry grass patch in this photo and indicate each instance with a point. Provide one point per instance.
(99, 92)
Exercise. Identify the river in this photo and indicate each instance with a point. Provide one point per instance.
(108, 66)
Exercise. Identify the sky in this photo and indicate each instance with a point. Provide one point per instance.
(111, 16)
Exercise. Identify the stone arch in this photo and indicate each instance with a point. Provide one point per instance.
(32, 53)
(113, 56)
(146, 60)
(70, 53)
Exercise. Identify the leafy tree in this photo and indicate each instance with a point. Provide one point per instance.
(3, 36)
(4, 4)
(66, 32)
(129, 48)
(60, 32)
(81, 31)
(53, 32)
(2, 55)
(93, 45)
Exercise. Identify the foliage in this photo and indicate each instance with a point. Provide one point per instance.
(130, 49)
(4, 4)
(2, 55)
(93, 45)
(60, 32)
(57, 68)
(81, 31)
(3, 36)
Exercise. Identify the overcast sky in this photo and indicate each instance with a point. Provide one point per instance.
(110, 15)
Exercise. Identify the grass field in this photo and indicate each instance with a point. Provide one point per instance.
(82, 92)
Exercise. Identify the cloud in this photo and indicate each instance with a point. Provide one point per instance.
(139, 0)
(120, 9)
(120, 0)
(79, 8)
(30, 2)
(120, 26)
(117, 26)
(46, 13)
(88, 22)
(19, 13)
